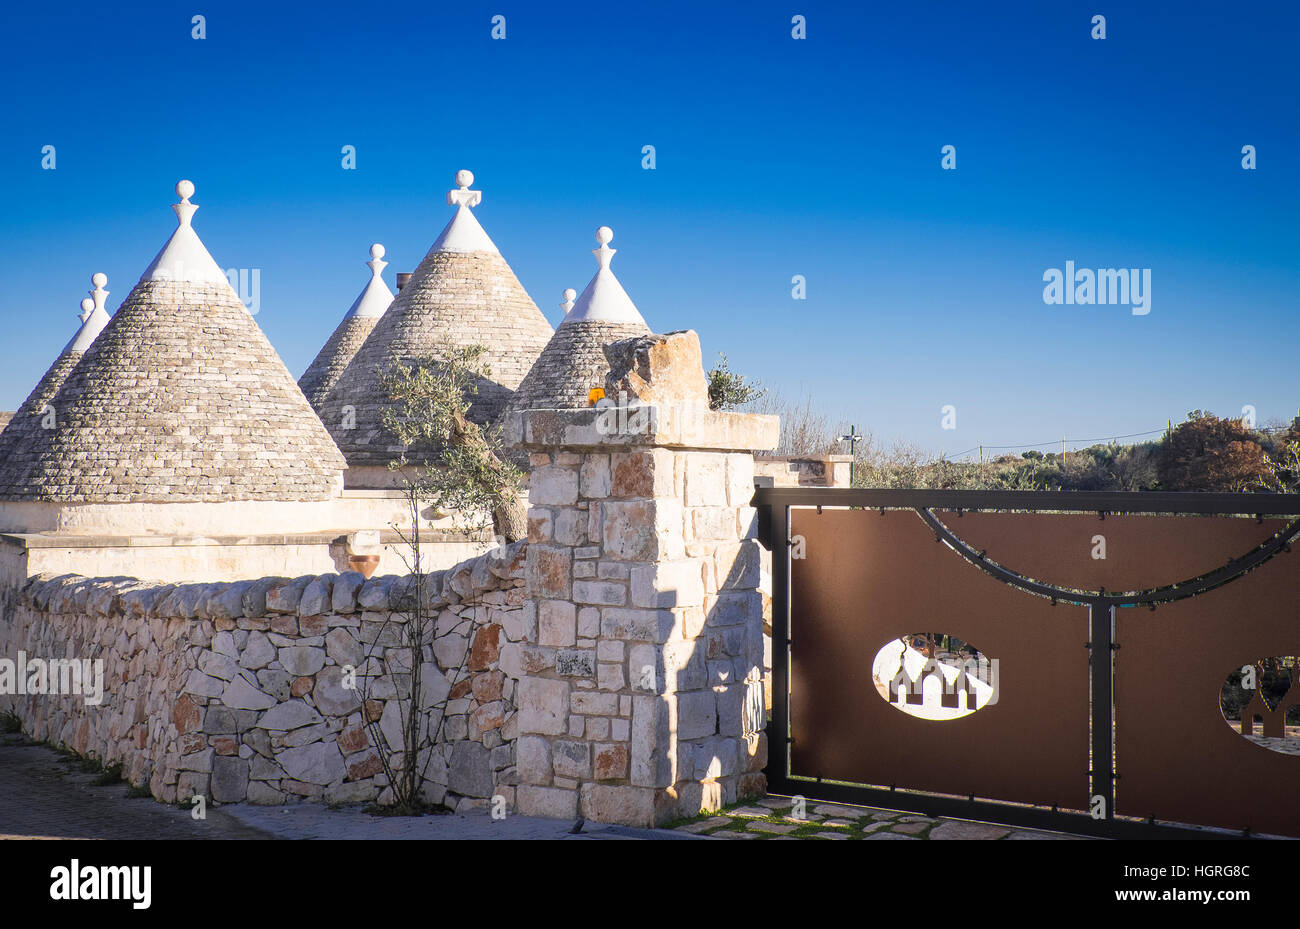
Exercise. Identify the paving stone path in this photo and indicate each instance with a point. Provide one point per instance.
(47, 795)
(770, 818)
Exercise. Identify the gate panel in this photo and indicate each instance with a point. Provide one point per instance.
(1176, 755)
(870, 577)
(1142, 552)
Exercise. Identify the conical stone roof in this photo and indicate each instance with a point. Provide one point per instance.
(359, 321)
(573, 362)
(179, 399)
(462, 293)
(93, 320)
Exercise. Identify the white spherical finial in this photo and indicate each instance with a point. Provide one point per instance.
(184, 189)
(604, 235)
(376, 251)
(99, 279)
(464, 178)
(87, 305)
(570, 293)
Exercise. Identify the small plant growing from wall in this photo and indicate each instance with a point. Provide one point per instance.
(409, 628)
(729, 390)
(466, 472)
(462, 471)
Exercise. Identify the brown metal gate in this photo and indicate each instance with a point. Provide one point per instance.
(1107, 717)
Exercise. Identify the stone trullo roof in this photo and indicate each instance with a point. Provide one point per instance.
(179, 399)
(93, 320)
(323, 373)
(573, 362)
(462, 293)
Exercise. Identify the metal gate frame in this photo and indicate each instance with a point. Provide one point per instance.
(774, 504)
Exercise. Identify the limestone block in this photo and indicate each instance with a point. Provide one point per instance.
(657, 368)
(289, 715)
(543, 706)
(317, 597)
(643, 530)
(547, 801)
(643, 625)
(607, 803)
(258, 652)
(553, 485)
(342, 646)
(738, 565)
(556, 623)
(241, 695)
(595, 479)
(549, 571)
(603, 593)
(302, 661)
(697, 715)
(374, 593)
(667, 584)
(469, 772)
(343, 597)
(651, 737)
(229, 779)
(318, 763)
(330, 696)
(285, 596)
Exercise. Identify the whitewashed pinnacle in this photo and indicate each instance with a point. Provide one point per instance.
(463, 233)
(184, 257)
(375, 298)
(93, 315)
(605, 299)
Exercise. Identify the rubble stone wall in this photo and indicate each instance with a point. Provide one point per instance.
(239, 691)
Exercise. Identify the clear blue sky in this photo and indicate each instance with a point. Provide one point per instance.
(776, 157)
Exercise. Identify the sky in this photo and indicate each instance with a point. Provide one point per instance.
(774, 157)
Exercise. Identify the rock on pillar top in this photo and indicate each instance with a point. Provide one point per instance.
(656, 394)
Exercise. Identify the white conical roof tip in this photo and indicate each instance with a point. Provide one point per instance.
(373, 301)
(462, 195)
(463, 233)
(184, 258)
(93, 315)
(569, 295)
(184, 209)
(377, 264)
(605, 300)
(97, 295)
(604, 254)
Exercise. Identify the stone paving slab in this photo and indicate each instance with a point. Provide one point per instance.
(770, 818)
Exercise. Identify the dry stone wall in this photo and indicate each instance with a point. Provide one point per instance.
(239, 691)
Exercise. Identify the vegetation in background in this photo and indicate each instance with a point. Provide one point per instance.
(1208, 453)
(1203, 453)
(805, 432)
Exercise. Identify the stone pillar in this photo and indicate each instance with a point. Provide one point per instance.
(640, 698)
